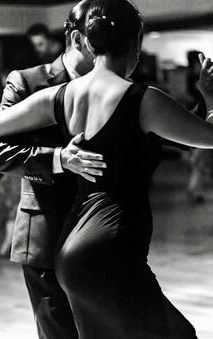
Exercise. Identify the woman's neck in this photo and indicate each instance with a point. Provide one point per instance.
(104, 63)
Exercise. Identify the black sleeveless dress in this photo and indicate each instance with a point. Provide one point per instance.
(101, 262)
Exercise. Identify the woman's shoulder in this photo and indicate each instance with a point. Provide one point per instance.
(154, 96)
(76, 88)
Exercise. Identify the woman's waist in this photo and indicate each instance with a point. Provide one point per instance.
(130, 204)
(134, 222)
(123, 192)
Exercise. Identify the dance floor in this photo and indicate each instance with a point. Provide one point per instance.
(181, 256)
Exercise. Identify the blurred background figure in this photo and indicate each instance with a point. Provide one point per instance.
(46, 46)
(200, 162)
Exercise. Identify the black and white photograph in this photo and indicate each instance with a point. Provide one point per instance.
(106, 169)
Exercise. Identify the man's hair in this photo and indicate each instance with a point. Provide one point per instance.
(38, 29)
(76, 19)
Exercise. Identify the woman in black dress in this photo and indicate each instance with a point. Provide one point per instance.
(101, 260)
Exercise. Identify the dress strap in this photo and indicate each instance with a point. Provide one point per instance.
(135, 97)
(139, 90)
(59, 112)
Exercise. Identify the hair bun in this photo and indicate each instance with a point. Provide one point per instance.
(96, 19)
(111, 25)
(100, 31)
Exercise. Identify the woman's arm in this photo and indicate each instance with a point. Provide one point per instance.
(35, 112)
(163, 116)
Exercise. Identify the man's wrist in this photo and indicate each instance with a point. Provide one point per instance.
(57, 165)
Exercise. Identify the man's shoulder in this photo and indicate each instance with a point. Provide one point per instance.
(34, 69)
(41, 76)
(29, 80)
(22, 83)
(29, 73)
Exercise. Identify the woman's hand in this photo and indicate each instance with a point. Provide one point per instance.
(205, 82)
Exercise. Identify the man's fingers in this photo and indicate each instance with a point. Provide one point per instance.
(90, 155)
(94, 164)
(75, 149)
(88, 177)
(73, 144)
(92, 171)
(78, 138)
(79, 166)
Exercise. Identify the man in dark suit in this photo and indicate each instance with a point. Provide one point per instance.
(47, 185)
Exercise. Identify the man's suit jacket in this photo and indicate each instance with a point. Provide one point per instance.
(45, 197)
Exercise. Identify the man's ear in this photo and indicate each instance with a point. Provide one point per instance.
(76, 39)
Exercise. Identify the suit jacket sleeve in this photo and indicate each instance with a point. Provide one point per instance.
(17, 155)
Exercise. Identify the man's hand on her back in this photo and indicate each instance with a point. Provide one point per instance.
(85, 163)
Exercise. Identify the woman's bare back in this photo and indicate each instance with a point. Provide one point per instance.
(90, 102)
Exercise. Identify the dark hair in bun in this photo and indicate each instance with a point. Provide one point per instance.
(111, 25)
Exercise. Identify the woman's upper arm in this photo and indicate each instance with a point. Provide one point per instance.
(162, 115)
(43, 103)
(157, 111)
(35, 112)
